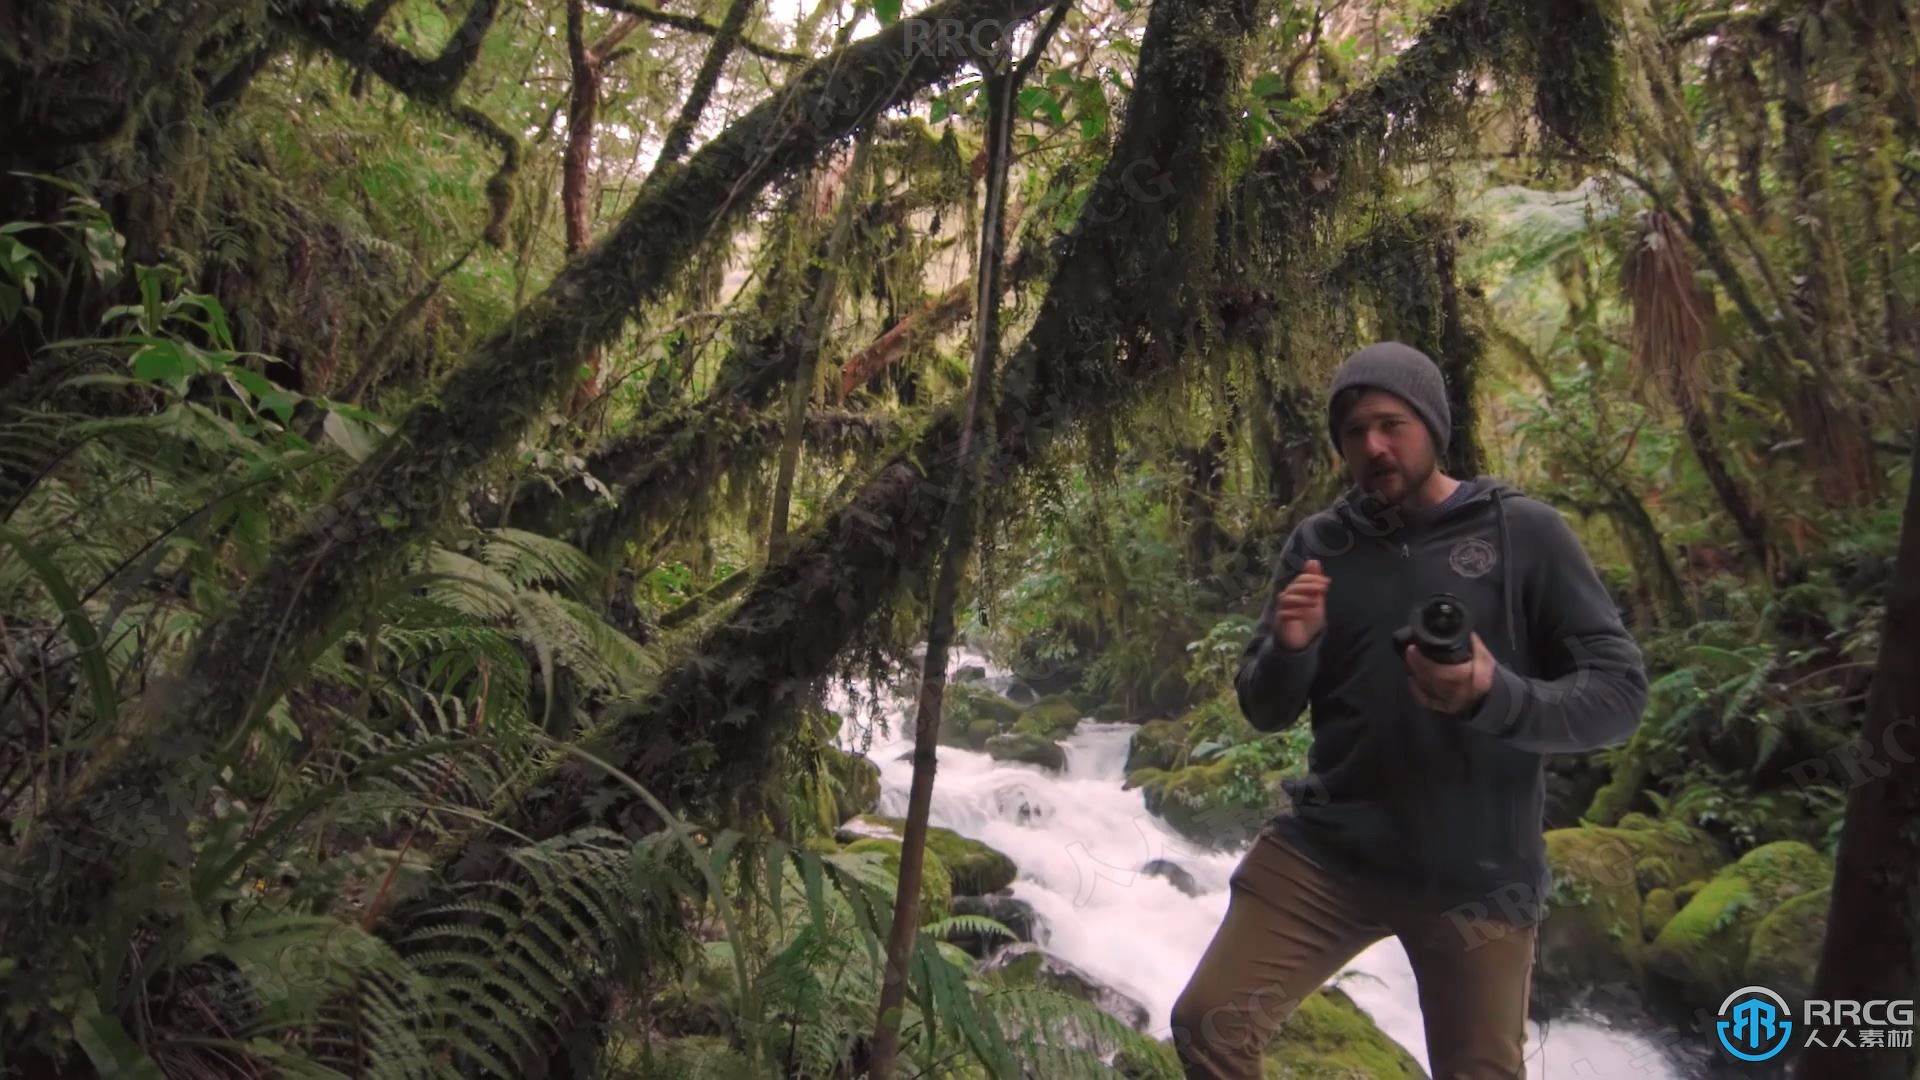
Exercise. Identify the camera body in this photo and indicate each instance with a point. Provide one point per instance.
(1442, 627)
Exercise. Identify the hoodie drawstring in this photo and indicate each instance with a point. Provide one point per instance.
(1506, 574)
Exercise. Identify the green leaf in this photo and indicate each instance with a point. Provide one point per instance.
(887, 11)
(164, 362)
(216, 318)
(150, 299)
(1205, 750)
(80, 629)
(108, 1045)
(350, 435)
(1269, 84)
(1037, 99)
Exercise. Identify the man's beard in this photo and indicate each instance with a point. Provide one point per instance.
(1412, 480)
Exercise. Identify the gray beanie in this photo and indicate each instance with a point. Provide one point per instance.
(1401, 370)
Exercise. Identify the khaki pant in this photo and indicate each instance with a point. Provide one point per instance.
(1291, 924)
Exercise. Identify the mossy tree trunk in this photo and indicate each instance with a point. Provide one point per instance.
(960, 524)
(1835, 435)
(243, 659)
(1872, 948)
(1459, 357)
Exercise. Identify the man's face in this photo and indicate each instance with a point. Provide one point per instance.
(1388, 450)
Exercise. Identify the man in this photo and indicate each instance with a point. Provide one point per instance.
(1421, 812)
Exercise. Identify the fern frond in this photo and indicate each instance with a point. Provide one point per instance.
(528, 559)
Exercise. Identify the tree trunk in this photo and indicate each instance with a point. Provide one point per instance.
(1459, 358)
(1651, 559)
(959, 528)
(1746, 516)
(1872, 947)
(242, 660)
(1834, 434)
(1200, 488)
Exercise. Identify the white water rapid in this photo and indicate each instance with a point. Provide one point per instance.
(1079, 841)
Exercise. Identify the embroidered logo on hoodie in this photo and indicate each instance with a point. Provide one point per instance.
(1472, 557)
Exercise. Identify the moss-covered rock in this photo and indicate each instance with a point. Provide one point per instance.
(1701, 953)
(1016, 915)
(975, 868)
(1655, 912)
(936, 885)
(1158, 744)
(1031, 749)
(1328, 1037)
(1111, 713)
(859, 781)
(1027, 965)
(1622, 790)
(970, 701)
(1593, 934)
(1786, 946)
(1148, 1060)
(1211, 804)
(1050, 718)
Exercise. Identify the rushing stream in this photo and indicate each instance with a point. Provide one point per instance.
(1080, 839)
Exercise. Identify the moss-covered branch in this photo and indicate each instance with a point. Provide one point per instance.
(1108, 329)
(244, 657)
(680, 135)
(692, 24)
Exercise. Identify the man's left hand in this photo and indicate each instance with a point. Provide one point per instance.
(1450, 688)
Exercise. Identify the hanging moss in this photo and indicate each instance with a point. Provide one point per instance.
(1576, 68)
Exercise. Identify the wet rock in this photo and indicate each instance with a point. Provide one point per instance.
(1016, 915)
(1019, 805)
(1157, 745)
(1049, 718)
(1176, 875)
(969, 673)
(971, 714)
(1208, 804)
(975, 868)
(1030, 749)
(1026, 964)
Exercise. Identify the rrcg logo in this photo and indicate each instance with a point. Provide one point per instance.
(1756, 1025)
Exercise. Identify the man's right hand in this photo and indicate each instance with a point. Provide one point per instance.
(1302, 611)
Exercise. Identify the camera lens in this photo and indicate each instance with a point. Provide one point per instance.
(1443, 618)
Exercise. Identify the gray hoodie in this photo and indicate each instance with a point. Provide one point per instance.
(1450, 807)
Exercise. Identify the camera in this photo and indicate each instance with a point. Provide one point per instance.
(1442, 627)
